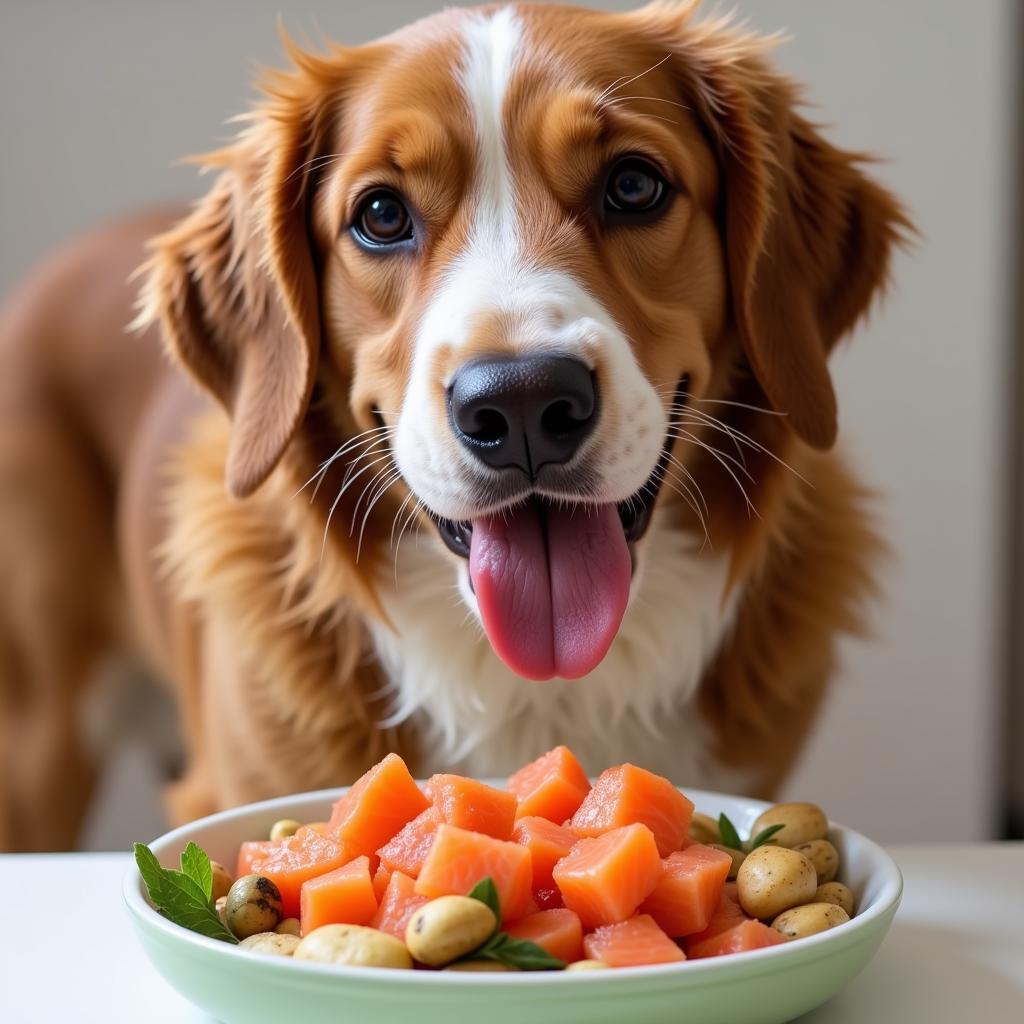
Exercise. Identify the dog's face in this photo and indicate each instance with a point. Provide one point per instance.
(539, 275)
(514, 245)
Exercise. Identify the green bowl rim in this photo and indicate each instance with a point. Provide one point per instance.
(703, 971)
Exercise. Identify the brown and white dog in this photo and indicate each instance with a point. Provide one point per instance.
(520, 317)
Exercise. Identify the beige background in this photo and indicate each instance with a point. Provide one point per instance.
(98, 99)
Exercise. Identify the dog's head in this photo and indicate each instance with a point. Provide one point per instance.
(514, 249)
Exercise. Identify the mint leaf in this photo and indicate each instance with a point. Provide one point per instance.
(487, 893)
(180, 898)
(149, 868)
(764, 835)
(727, 832)
(520, 953)
(196, 865)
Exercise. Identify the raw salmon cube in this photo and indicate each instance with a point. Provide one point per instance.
(407, 850)
(689, 890)
(377, 806)
(290, 862)
(727, 915)
(254, 851)
(551, 787)
(548, 843)
(632, 943)
(342, 896)
(739, 938)
(559, 932)
(459, 859)
(606, 878)
(474, 806)
(397, 905)
(626, 795)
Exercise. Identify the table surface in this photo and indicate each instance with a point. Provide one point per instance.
(955, 952)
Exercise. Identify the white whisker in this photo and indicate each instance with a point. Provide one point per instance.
(390, 482)
(678, 432)
(347, 446)
(620, 84)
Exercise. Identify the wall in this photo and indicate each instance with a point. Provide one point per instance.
(100, 98)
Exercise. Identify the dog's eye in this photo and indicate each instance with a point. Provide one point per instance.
(382, 219)
(634, 186)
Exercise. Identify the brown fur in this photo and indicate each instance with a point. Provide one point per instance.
(258, 613)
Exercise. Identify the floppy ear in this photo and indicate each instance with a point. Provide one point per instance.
(234, 289)
(807, 235)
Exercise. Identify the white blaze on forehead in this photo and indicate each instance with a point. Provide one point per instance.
(492, 45)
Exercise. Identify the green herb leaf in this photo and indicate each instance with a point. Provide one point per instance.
(487, 893)
(764, 835)
(179, 897)
(520, 953)
(196, 865)
(727, 831)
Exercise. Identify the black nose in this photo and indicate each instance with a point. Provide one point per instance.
(527, 412)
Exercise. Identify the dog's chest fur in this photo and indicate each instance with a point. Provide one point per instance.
(638, 705)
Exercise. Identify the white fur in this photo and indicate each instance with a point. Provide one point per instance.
(637, 705)
(551, 308)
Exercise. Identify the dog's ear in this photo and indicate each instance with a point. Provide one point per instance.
(807, 234)
(234, 288)
(808, 238)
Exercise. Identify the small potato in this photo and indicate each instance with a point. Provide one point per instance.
(284, 828)
(472, 966)
(352, 945)
(253, 905)
(449, 927)
(837, 893)
(773, 879)
(802, 822)
(289, 926)
(809, 919)
(220, 905)
(271, 943)
(704, 829)
(823, 855)
(222, 880)
(738, 857)
(588, 965)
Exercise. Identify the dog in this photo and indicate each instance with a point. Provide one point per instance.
(513, 426)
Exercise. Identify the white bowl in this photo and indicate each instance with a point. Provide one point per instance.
(765, 986)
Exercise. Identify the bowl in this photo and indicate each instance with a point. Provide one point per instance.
(765, 986)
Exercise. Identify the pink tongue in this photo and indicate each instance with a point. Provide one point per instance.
(552, 589)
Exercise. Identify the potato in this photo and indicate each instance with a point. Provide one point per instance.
(222, 880)
(271, 943)
(253, 905)
(823, 855)
(289, 926)
(773, 879)
(284, 828)
(353, 945)
(802, 822)
(587, 965)
(738, 857)
(704, 829)
(837, 893)
(479, 965)
(449, 927)
(811, 918)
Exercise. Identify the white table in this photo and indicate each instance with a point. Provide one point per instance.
(955, 953)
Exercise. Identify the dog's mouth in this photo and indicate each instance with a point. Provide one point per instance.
(552, 577)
